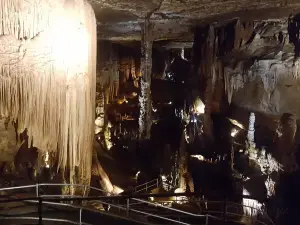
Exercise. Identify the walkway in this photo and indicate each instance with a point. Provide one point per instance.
(36, 202)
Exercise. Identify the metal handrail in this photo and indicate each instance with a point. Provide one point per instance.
(102, 202)
(45, 219)
(73, 185)
(208, 212)
(150, 184)
(129, 206)
(144, 187)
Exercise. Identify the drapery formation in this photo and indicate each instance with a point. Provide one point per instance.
(47, 77)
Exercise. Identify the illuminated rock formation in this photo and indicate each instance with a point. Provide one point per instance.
(47, 79)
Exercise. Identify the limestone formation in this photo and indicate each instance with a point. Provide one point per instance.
(46, 83)
(145, 120)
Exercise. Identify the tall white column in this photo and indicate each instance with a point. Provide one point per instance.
(251, 131)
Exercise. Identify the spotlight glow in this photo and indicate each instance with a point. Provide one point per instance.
(137, 174)
(199, 107)
(199, 157)
(234, 132)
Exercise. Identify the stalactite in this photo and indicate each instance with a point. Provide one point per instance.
(294, 33)
(238, 35)
(127, 68)
(228, 85)
(219, 87)
(232, 37)
(294, 38)
(108, 72)
(145, 120)
(47, 79)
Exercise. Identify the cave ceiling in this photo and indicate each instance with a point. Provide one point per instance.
(267, 56)
(119, 20)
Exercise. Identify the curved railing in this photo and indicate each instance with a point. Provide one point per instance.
(129, 207)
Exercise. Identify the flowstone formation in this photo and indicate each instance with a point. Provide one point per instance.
(47, 78)
(262, 74)
(255, 62)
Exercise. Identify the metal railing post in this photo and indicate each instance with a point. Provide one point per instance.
(252, 217)
(146, 186)
(37, 190)
(40, 211)
(157, 182)
(127, 206)
(206, 219)
(80, 216)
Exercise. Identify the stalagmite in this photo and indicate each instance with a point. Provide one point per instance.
(145, 120)
(185, 179)
(99, 122)
(182, 166)
(47, 78)
(251, 130)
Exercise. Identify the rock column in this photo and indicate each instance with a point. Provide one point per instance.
(145, 120)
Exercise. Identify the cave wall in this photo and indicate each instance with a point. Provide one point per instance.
(271, 91)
